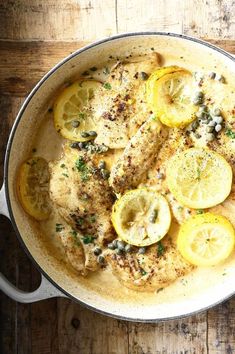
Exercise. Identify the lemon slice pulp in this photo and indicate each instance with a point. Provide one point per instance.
(73, 113)
(206, 239)
(199, 178)
(32, 188)
(141, 217)
(170, 97)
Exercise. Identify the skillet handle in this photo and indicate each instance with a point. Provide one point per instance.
(45, 290)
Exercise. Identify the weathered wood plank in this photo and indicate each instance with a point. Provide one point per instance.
(57, 19)
(87, 20)
(221, 328)
(200, 18)
(23, 64)
(172, 337)
(86, 332)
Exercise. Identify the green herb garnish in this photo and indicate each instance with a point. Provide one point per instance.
(199, 211)
(82, 168)
(160, 249)
(82, 115)
(74, 234)
(62, 165)
(107, 86)
(59, 227)
(92, 218)
(88, 239)
(230, 133)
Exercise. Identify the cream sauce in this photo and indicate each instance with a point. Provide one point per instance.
(48, 144)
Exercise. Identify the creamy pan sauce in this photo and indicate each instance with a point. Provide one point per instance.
(48, 144)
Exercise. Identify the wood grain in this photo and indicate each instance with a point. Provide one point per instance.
(34, 36)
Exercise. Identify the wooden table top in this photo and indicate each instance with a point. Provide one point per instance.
(34, 35)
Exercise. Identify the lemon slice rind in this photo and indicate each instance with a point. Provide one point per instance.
(206, 239)
(169, 94)
(132, 213)
(199, 178)
(72, 106)
(32, 188)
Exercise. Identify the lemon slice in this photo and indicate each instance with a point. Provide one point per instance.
(170, 97)
(156, 75)
(73, 115)
(141, 217)
(32, 188)
(206, 239)
(199, 178)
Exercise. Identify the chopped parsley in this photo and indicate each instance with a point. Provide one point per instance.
(88, 239)
(82, 168)
(92, 218)
(62, 165)
(107, 86)
(82, 115)
(143, 272)
(160, 289)
(199, 211)
(230, 133)
(79, 221)
(65, 175)
(59, 227)
(160, 249)
(198, 174)
(74, 234)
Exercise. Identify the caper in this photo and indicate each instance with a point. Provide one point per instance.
(160, 175)
(104, 173)
(115, 243)
(198, 99)
(101, 259)
(119, 252)
(97, 251)
(209, 129)
(218, 127)
(121, 245)
(195, 124)
(197, 136)
(74, 145)
(153, 216)
(142, 250)
(92, 133)
(102, 164)
(111, 246)
(220, 78)
(202, 108)
(201, 115)
(210, 137)
(212, 123)
(218, 119)
(128, 248)
(217, 112)
(82, 145)
(144, 76)
(212, 75)
(85, 134)
(75, 123)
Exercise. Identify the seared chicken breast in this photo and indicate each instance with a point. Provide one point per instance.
(158, 267)
(138, 156)
(82, 195)
(120, 106)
